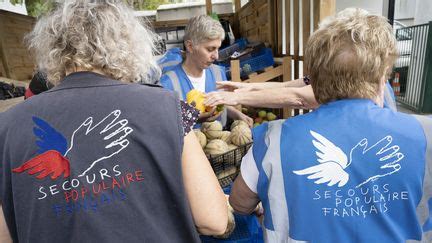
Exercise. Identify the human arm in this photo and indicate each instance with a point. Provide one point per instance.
(238, 115)
(4, 231)
(301, 97)
(242, 199)
(240, 86)
(206, 198)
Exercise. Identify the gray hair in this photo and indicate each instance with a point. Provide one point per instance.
(94, 34)
(202, 28)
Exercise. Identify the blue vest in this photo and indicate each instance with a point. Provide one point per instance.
(177, 80)
(170, 59)
(347, 172)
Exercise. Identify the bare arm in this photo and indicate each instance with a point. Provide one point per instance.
(4, 231)
(235, 114)
(242, 199)
(240, 86)
(206, 198)
(301, 97)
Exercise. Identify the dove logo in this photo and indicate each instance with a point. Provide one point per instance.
(381, 159)
(54, 155)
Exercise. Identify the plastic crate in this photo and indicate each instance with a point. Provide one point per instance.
(226, 166)
(247, 230)
(258, 62)
(226, 52)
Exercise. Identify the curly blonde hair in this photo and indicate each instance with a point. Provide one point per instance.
(349, 54)
(94, 34)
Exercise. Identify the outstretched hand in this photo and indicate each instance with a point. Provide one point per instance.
(221, 98)
(233, 86)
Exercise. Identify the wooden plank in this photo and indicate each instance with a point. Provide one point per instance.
(288, 27)
(306, 22)
(316, 14)
(209, 7)
(235, 71)
(263, 77)
(279, 14)
(247, 9)
(271, 36)
(296, 22)
(237, 5)
(327, 8)
(286, 76)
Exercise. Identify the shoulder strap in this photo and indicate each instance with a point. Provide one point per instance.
(175, 83)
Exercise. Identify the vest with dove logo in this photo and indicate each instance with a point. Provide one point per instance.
(348, 172)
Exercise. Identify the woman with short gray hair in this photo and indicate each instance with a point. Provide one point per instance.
(202, 40)
(98, 158)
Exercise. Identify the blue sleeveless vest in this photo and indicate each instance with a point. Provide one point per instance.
(347, 172)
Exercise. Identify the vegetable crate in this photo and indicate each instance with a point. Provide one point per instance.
(227, 166)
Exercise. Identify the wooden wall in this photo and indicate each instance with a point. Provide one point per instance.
(255, 21)
(15, 60)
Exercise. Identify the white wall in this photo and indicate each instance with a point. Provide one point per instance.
(423, 12)
(18, 8)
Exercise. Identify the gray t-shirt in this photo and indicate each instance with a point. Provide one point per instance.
(95, 160)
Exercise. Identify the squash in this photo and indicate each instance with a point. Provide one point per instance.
(232, 147)
(227, 172)
(213, 130)
(238, 123)
(198, 97)
(201, 138)
(216, 147)
(241, 135)
(225, 136)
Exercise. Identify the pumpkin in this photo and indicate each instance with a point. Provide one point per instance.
(241, 135)
(216, 147)
(201, 138)
(213, 130)
(238, 123)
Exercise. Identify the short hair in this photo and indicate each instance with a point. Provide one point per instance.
(203, 28)
(349, 54)
(94, 34)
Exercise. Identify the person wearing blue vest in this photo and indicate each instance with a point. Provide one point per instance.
(202, 40)
(100, 157)
(350, 171)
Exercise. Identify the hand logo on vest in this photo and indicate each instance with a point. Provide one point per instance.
(381, 159)
(107, 137)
